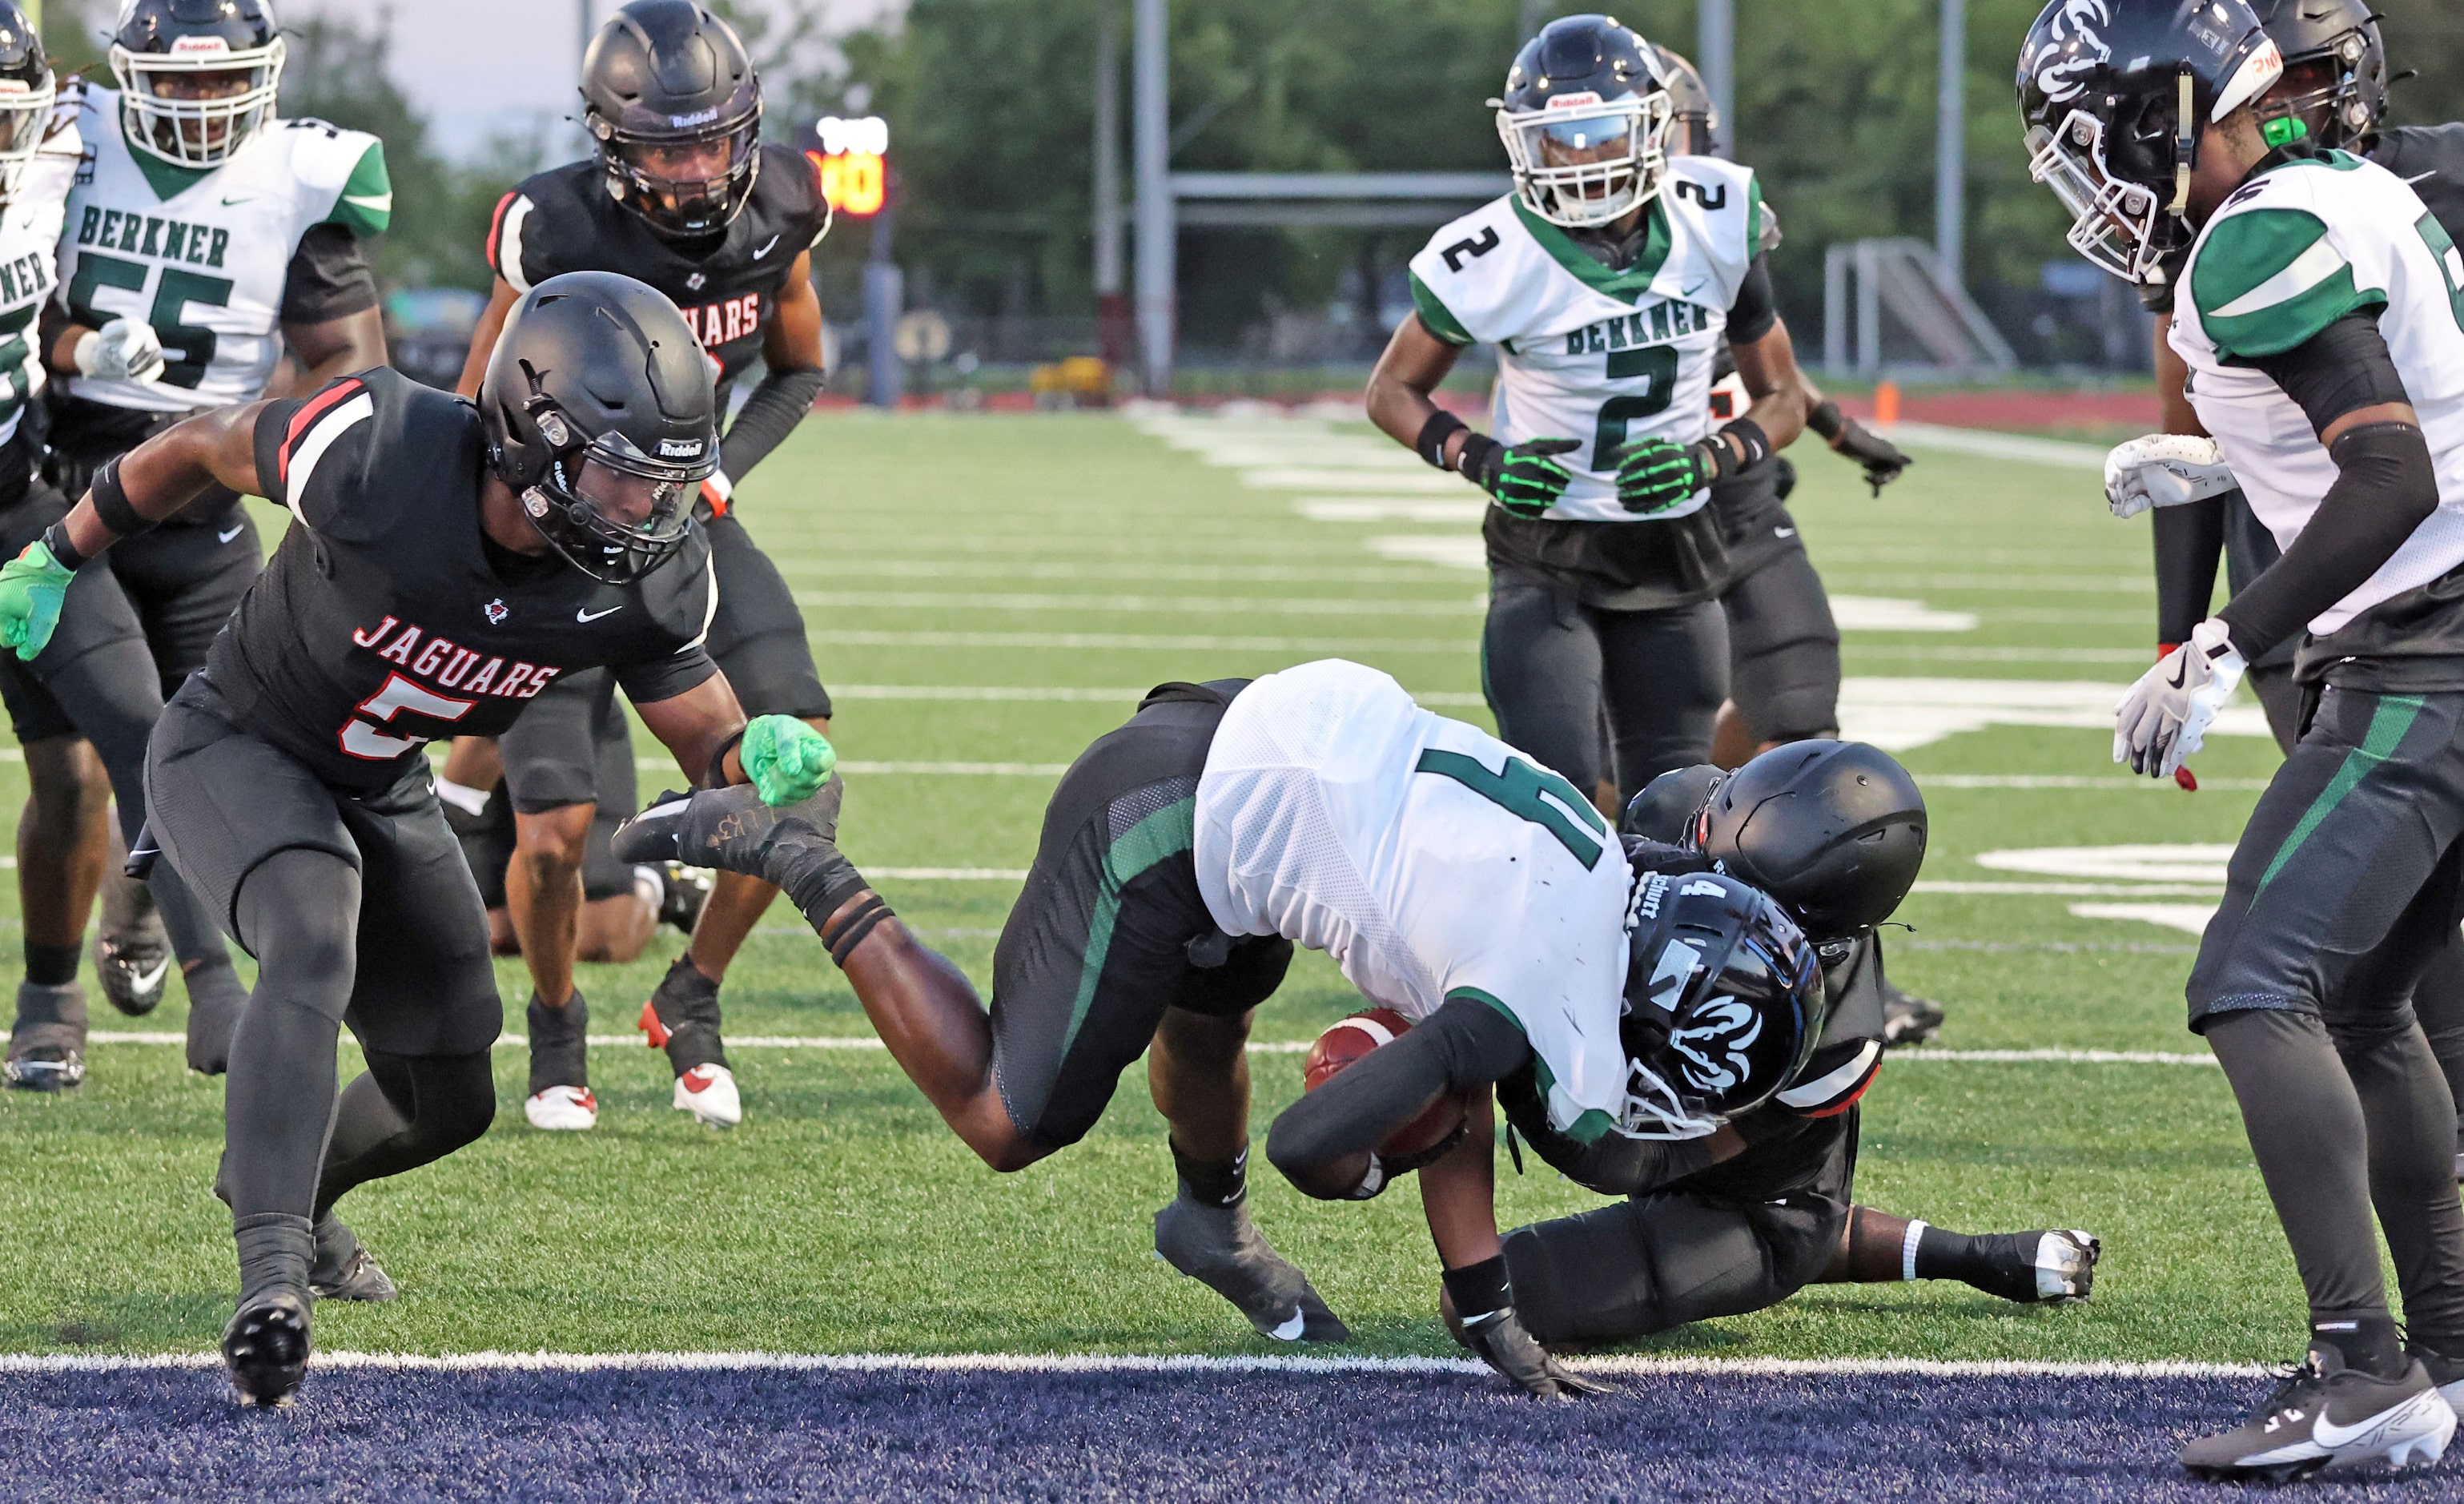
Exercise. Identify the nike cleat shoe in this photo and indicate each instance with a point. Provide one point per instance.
(266, 1348)
(684, 892)
(2327, 1416)
(1909, 1019)
(2447, 1373)
(1222, 1249)
(708, 1092)
(343, 1270)
(563, 1109)
(2050, 1268)
(47, 1046)
(134, 964)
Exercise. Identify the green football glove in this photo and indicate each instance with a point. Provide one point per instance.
(32, 588)
(786, 759)
(1525, 478)
(1655, 474)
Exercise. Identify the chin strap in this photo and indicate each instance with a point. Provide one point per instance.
(2186, 144)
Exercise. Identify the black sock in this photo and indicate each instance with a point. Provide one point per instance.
(2366, 1340)
(1214, 1183)
(51, 965)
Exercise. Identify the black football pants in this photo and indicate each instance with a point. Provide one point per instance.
(1553, 667)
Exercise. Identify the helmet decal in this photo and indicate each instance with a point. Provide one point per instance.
(1711, 1049)
(1678, 962)
(2062, 73)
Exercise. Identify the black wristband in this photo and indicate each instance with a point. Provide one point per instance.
(716, 775)
(1433, 434)
(111, 505)
(1480, 1290)
(1827, 421)
(1479, 454)
(844, 936)
(821, 882)
(1751, 438)
(55, 542)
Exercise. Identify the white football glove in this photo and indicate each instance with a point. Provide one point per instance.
(124, 349)
(2164, 470)
(2165, 714)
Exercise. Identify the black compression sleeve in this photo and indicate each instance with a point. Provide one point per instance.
(768, 416)
(2190, 541)
(1462, 1046)
(328, 278)
(2342, 368)
(1752, 316)
(2384, 488)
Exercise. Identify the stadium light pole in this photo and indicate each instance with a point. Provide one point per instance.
(1716, 55)
(1951, 145)
(1152, 103)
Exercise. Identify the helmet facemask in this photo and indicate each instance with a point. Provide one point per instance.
(2335, 110)
(25, 116)
(1583, 161)
(704, 198)
(611, 511)
(182, 128)
(2119, 220)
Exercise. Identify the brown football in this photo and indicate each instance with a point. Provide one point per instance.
(1346, 1041)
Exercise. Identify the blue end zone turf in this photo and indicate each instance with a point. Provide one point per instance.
(915, 1432)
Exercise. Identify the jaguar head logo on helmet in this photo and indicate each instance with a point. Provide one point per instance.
(198, 79)
(1585, 118)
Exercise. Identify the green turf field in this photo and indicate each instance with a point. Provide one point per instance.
(1067, 552)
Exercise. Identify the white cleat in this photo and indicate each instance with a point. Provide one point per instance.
(708, 1092)
(563, 1109)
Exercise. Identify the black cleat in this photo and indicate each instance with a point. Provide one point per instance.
(134, 965)
(686, 892)
(1220, 1248)
(2050, 1267)
(1908, 1020)
(344, 1269)
(2324, 1415)
(266, 1347)
(47, 1046)
(2447, 1372)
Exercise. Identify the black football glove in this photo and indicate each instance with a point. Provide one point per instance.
(1655, 474)
(1883, 461)
(1525, 478)
(1501, 1343)
(729, 829)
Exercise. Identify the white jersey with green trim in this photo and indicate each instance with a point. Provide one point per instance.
(29, 237)
(1431, 860)
(203, 255)
(2291, 252)
(1591, 354)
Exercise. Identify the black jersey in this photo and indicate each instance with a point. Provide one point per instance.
(381, 622)
(563, 220)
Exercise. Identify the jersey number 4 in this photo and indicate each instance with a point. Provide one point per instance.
(1520, 789)
(186, 349)
(359, 739)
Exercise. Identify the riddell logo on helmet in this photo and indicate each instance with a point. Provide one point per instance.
(697, 117)
(198, 45)
(680, 449)
(1573, 101)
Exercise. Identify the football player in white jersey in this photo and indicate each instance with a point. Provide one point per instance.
(1609, 281)
(212, 254)
(1187, 853)
(2320, 315)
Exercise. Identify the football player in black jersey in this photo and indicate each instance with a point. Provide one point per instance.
(2335, 86)
(681, 195)
(447, 564)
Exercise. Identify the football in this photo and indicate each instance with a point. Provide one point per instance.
(1349, 1038)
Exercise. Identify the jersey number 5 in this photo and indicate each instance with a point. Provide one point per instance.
(1656, 364)
(187, 350)
(363, 740)
(1545, 799)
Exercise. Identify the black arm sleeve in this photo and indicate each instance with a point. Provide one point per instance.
(329, 277)
(2386, 485)
(1752, 316)
(1612, 1165)
(2190, 541)
(768, 416)
(1462, 1046)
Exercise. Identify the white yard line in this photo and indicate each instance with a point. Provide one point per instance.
(1996, 445)
(1157, 605)
(2075, 890)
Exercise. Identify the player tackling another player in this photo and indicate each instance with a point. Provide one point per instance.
(2320, 312)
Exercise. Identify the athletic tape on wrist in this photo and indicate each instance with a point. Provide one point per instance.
(1433, 434)
(716, 775)
(1480, 1290)
(111, 504)
(1908, 1249)
(55, 542)
(843, 935)
(1826, 420)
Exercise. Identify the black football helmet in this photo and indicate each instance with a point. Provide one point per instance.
(1835, 830)
(26, 95)
(1696, 132)
(1724, 1003)
(598, 391)
(2116, 94)
(162, 52)
(2335, 67)
(662, 78)
(1585, 117)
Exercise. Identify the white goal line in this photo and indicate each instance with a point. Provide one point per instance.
(1632, 1366)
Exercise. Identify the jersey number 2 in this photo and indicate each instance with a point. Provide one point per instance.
(187, 350)
(363, 740)
(1656, 364)
(1520, 789)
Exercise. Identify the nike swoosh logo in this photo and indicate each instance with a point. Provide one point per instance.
(148, 980)
(2182, 671)
(766, 247)
(1696, 288)
(581, 615)
(225, 537)
(245, 198)
(1291, 1330)
(2334, 1437)
(1783, 532)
